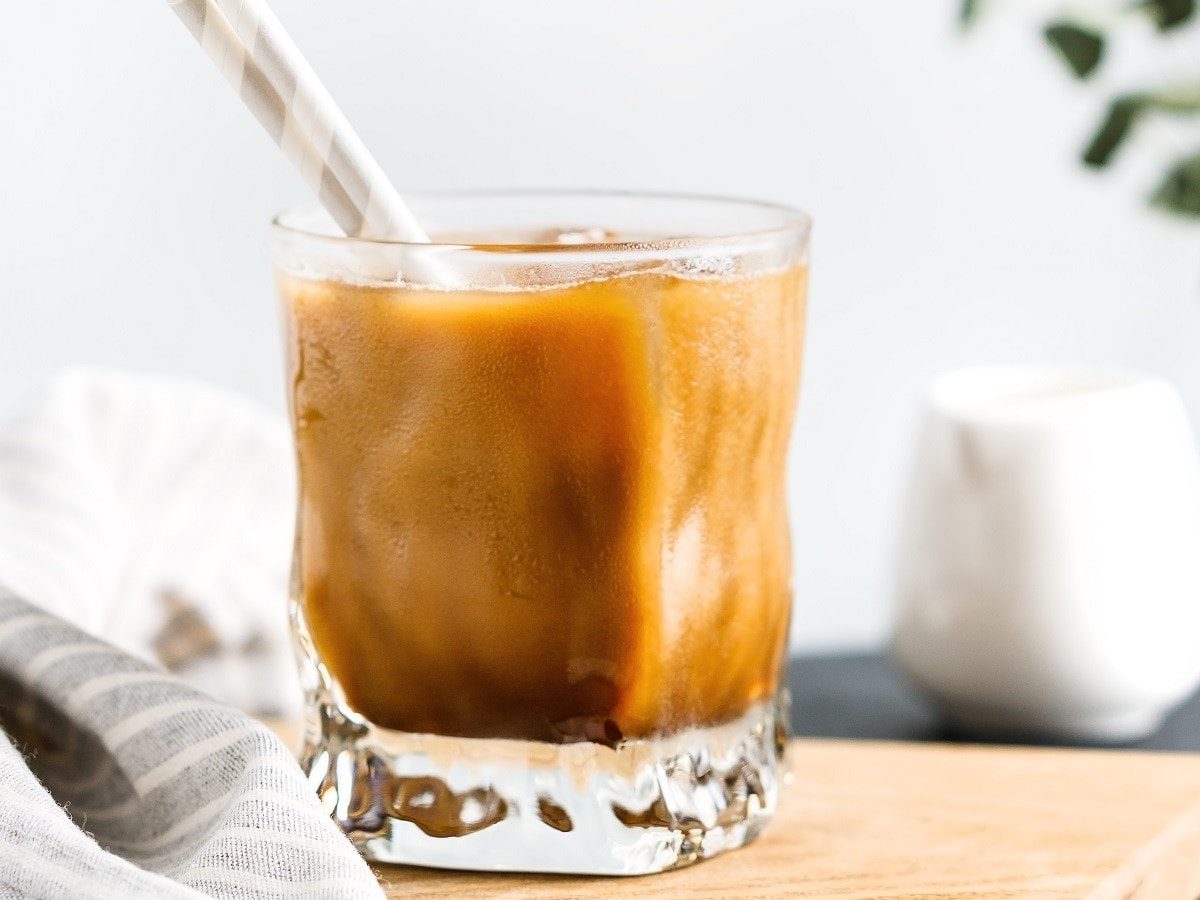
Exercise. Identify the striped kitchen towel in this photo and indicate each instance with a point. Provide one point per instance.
(155, 514)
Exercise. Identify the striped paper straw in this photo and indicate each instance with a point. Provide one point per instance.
(249, 46)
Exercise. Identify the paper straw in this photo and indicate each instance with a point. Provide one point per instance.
(255, 55)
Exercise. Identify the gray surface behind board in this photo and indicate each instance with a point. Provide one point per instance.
(864, 696)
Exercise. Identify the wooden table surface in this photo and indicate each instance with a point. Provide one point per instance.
(883, 819)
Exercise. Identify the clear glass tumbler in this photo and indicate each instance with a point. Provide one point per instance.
(542, 572)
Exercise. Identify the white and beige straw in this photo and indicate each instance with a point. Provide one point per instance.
(253, 51)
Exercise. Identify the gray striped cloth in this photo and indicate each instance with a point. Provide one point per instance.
(158, 514)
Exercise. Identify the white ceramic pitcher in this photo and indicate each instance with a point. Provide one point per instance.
(1049, 568)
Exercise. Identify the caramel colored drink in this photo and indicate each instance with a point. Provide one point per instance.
(544, 507)
(554, 515)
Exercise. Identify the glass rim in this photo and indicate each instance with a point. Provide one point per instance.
(791, 222)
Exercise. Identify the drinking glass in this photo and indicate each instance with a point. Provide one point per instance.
(542, 587)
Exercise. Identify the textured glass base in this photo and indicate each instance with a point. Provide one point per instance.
(524, 806)
(643, 807)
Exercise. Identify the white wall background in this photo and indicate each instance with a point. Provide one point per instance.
(953, 224)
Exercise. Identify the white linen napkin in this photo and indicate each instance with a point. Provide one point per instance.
(145, 525)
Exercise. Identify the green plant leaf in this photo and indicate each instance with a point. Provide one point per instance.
(1081, 48)
(1169, 14)
(1118, 123)
(1183, 99)
(968, 11)
(1179, 191)
(1124, 112)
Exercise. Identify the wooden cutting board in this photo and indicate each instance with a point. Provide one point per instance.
(874, 819)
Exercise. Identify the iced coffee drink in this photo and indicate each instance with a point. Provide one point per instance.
(542, 554)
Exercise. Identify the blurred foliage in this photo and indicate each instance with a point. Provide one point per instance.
(1169, 13)
(1117, 125)
(1081, 48)
(1081, 45)
(1180, 190)
(1124, 112)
